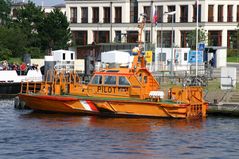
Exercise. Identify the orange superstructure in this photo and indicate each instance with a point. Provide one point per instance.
(130, 91)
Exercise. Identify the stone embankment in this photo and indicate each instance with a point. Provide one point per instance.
(223, 102)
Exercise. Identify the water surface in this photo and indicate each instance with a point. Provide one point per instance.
(33, 135)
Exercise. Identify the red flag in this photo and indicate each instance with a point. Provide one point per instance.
(155, 16)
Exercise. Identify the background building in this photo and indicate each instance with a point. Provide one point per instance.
(109, 21)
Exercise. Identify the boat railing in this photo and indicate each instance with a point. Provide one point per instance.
(30, 87)
(58, 82)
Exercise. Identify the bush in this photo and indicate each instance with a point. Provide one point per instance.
(232, 52)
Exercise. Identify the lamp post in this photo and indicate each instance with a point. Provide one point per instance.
(171, 63)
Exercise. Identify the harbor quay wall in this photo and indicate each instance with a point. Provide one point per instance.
(223, 102)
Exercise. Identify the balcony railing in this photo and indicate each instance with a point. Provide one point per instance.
(106, 20)
(95, 20)
(183, 19)
(211, 19)
(170, 19)
(118, 20)
(194, 19)
(229, 19)
(73, 19)
(84, 20)
(220, 19)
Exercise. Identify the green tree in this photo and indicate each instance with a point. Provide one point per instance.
(5, 10)
(13, 39)
(202, 37)
(55, 32)
(29, 18)
(5, 54)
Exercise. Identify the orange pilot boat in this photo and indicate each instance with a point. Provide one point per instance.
(122, 91)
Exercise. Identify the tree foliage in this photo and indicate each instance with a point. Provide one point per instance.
(54, 31)
(5, 10)
(13, 39)
(5, 54)
(29, 18)
(33, 31)
(202, 37)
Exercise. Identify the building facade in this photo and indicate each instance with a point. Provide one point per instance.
(115, 21)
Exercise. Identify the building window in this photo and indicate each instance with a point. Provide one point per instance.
(210, 13)
(184, 14)
(220, 13)
(95, 11)
(118, 14)
(133, 11)
(159, 40)
(147, 36)
(215, 38)
(184, 38)
(106, 14)
(238, 13)
(166, 40)
(132, 36)
(14, 12)
(147, 11)
(84, 13)
(101, 36)
(160, 14)
(171, 9)
(232, 39)
(79, 37)
(195, 13)
(229, 13)
(118, 36)
(73, 16)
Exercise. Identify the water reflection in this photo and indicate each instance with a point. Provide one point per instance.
(121, 124)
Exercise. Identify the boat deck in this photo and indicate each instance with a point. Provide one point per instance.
(129, 100)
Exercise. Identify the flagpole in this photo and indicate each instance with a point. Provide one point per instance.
(197, 40)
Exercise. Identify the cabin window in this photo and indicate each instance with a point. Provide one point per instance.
(162, 57)
(185, 57)
(145, 79)
(111, 80)
(123, 81)
(63, 56)
(97, 80)
(71, 56)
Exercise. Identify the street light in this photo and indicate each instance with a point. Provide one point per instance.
(171, 63)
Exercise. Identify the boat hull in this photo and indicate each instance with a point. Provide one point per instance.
(151, 109)
(58, 104)
(110, 107)
(10, 88)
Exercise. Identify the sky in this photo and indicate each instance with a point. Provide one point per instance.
(47, 2)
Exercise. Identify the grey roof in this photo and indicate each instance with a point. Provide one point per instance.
(61, 5)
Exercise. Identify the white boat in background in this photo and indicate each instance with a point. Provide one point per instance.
(11, 76)
(10, 80)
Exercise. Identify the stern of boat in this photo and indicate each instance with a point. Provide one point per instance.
(193, 96)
